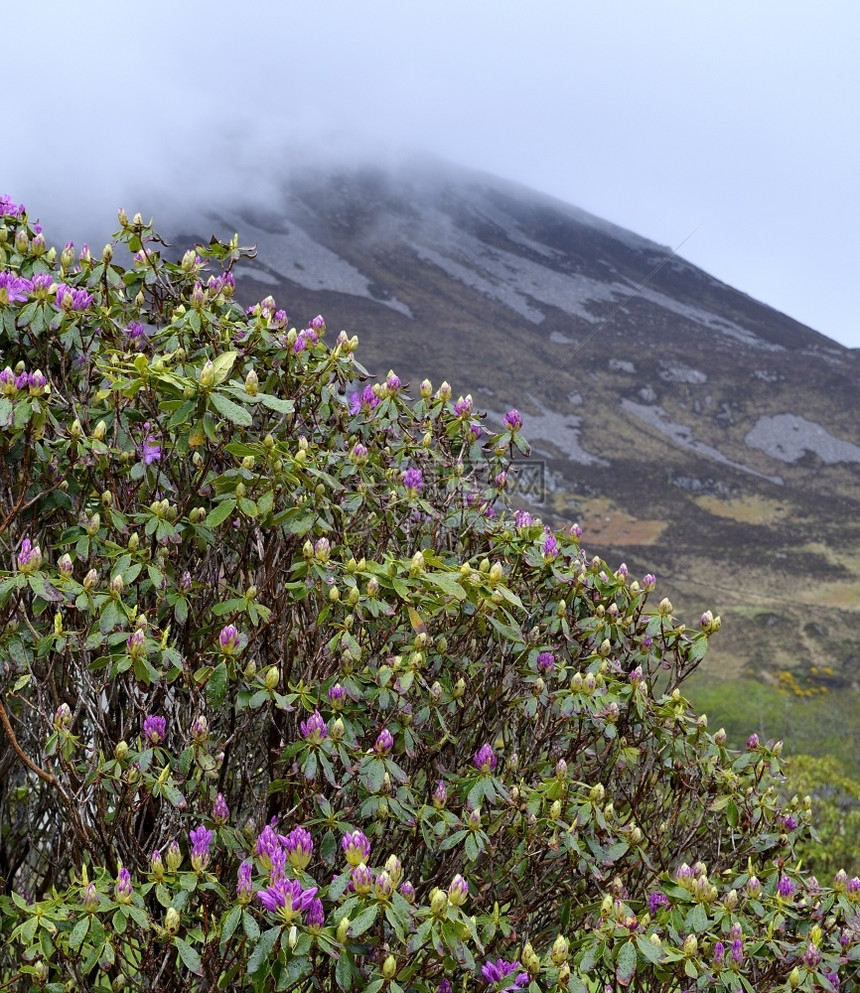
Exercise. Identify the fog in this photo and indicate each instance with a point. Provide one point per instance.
(734, 120)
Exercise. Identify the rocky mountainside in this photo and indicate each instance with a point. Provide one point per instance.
(692, 431)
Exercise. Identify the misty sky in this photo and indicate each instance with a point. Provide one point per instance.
(733, 119)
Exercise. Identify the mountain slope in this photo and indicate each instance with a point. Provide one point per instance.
(691, 430)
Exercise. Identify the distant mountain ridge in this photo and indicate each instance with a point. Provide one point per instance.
(690, 429)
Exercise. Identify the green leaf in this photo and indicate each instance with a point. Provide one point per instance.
(232, 411)
(654, 953)
(174, 795)
(697, 920)
(219, 513)
(625, 964)
(250, 926)
(343, 972)
(182, 414)
(230, 923)
(265, 503)
(276, 403)
(222, 365)
(190, 958)
(448, 583)
(216, 688)
(79, 932)
(263, 949)
(364, 921)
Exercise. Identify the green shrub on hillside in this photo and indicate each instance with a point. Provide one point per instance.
(290, 702)
(834, 799)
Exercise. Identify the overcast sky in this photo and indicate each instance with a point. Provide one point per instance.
(733, 119)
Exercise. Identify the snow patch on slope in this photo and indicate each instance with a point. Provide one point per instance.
(682, 435)
(510, 279)
(294, 255)
(787, 437)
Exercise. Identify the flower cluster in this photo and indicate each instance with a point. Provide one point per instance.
(13, 289)
(69, 299)
(34, 382)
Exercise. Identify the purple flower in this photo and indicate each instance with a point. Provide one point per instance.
(69, 299)
(229, 639)
(463, 407)
(655, 901)
(413, 480)
(199, 729)
(305, 338)
(550, 543)
(365, 401)
(90, 902)
(8, 208)
(787, 823)
(458, 891)
(314, 728)
(393, 384)
(356, 847)
(440, 795)
(244, 886)
(358, 455)
(36, 383)
(41, 284)
(156, 864)
(29, 558)
(719, 953)
(477, 431)
(384, 742)
(13, 289)
(201, 840)
(315, 916)
(220, 810)
(445, 987)
(493, 972)
(407, 891)
(336, 696)
(155, 729)
(136, 643)
(135, 333)
(318, 324)
(513, 420)
(811, 957)
(684, 875)
(485, 759)
(546, 662)
(752, 742)
(123, 888)
(523, 519)
(785, 887)
(286, 898)
(149, 448)
(174, 855)
(737, 951)
(299, 846)
(360, 879)
(268, 846)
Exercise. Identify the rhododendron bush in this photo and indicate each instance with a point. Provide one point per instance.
(292, 700)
